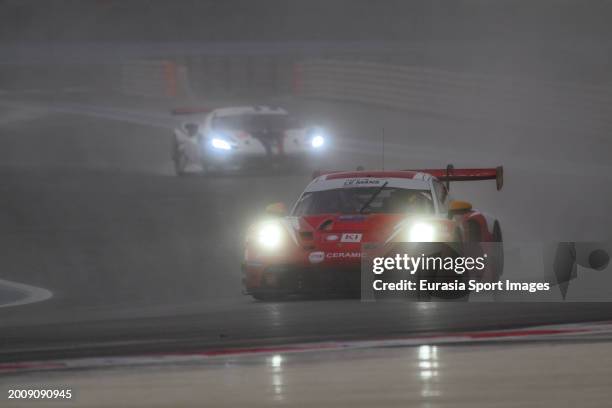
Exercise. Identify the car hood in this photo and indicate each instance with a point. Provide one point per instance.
(347, 232)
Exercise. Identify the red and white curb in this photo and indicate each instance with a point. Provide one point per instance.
(526, 334)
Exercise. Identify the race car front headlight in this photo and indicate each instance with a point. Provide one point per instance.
(317, 141)
(220, 144)
(270, 235)
(422, 232)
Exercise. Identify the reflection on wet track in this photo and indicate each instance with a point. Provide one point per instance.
(428, 370)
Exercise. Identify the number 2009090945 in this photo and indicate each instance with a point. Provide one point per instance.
(65, 393)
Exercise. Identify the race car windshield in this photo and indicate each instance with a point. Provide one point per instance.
(255, 122)
(390, 200)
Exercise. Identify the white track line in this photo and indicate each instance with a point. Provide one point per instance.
(32, 294)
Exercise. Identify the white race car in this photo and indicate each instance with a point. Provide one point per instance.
(238, 137)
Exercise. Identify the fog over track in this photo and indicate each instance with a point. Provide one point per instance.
(149, 261)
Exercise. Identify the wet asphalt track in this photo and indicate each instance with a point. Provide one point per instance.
(139, 260)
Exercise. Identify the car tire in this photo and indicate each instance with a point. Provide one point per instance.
(498, 253)
(179, 166)
(460, 295)
(177, 159)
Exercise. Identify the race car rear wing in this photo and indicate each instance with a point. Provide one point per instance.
(450, 173)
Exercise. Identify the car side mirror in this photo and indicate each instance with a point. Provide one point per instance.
(458, 207)
(276, 209)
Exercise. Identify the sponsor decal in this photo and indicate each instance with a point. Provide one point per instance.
(316, 257)
(337, 255)
(350, 237)
(362, 182)
(332, 238)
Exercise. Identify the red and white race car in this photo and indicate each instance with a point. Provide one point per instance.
(317, 247)
(242, 137)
